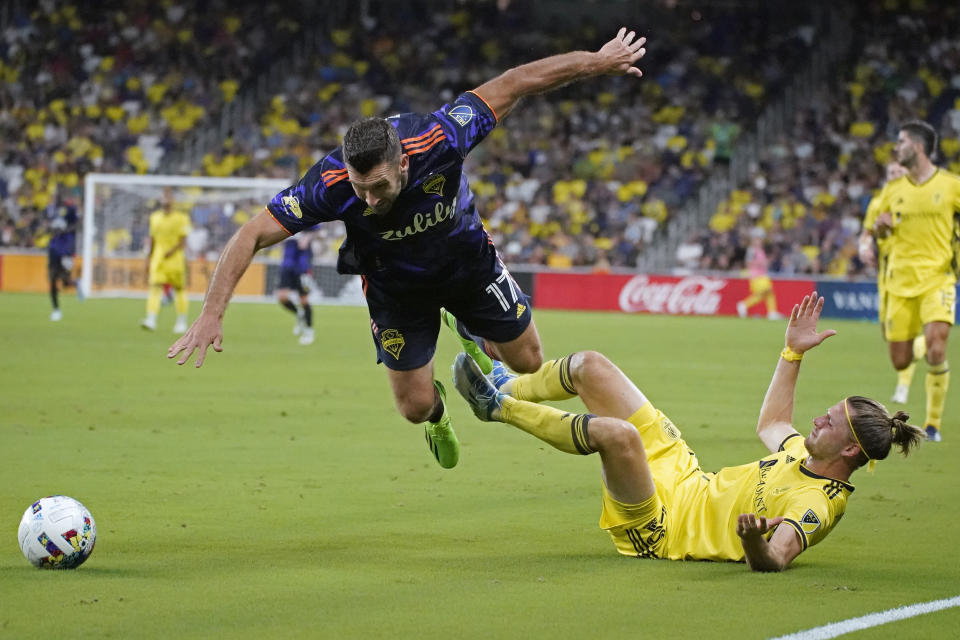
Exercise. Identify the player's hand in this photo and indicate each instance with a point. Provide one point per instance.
(865, 251)
(749, 525)
(619, 55)
(205, 331)
(802, 332)
(883, 225)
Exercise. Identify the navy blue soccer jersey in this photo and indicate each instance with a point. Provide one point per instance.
(64, 225)
(432, 230)
(295, 257)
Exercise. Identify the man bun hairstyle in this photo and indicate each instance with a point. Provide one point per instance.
(877, 431)
(921, 131)
(369, 142)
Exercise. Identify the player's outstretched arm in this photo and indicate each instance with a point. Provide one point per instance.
(775, 422)
(207, 329)
(762, 554)
(614, 58)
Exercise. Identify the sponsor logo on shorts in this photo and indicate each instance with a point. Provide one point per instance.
(291, 204)
(392, 342)
(669, 429)
(435, 184)
(462, 113)
(520, 309)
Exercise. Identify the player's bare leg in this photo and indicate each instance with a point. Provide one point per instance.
(523, 354)
(420, 398)
(626, 472)
(901, 393)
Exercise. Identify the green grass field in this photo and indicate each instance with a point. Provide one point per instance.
(276, 493)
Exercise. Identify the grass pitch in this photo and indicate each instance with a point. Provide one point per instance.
(276, 493)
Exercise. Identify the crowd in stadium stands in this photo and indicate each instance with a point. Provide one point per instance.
(113, 87)
(583, 177)
(808, 191)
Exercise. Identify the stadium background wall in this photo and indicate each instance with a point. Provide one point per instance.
(695, 294)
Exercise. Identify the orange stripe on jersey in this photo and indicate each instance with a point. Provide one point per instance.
(429, 132)
(426, 142)
(267, 209)
(495, 116)
(433, 142)
(335, 179)
(334, 175)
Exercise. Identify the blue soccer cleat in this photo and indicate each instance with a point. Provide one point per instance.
(469, 346)
(500, 375)
(933, 434)
(479, 393)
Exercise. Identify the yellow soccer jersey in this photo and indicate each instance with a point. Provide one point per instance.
(167, 230)
(704, 509)
(921, 253)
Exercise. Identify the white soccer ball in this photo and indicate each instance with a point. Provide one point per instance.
(57, 532)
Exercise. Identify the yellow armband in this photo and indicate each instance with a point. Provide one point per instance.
(790, 355)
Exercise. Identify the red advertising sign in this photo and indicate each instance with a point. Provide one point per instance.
(672, 295)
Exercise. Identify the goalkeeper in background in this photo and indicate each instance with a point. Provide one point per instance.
(63, 223)
(166, 262)
(296, 276)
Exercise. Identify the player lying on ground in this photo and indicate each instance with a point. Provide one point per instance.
(414, 234)
(657, 502)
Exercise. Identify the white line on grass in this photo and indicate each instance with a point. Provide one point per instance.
(835, 629)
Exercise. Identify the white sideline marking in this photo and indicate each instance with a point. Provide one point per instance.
(835, 629)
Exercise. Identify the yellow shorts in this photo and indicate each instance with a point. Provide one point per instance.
(904, 318)
(166, 273)
(760, 284)
(640, 530)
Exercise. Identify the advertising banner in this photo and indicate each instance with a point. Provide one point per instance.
(130, 275)
(673, 295)
(849, 299)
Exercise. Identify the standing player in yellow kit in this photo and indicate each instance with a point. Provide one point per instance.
(166, 262)
(918, 212)
(874, 252)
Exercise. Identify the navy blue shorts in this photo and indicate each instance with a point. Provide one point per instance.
(290, 279)
(55, 267)
(405, 323)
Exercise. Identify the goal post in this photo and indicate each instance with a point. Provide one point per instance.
(115, 239)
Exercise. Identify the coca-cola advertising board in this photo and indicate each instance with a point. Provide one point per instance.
(672, 295)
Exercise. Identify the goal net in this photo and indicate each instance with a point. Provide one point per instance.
(116, 236)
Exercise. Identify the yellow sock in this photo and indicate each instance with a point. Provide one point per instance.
(938, 379)
(181, 302)
(561, 430)
(551, 381)
(749, 301)
(153, 299)
(905, 376)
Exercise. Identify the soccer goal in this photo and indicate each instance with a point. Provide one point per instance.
(116, 235)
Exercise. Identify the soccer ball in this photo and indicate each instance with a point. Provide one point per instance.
(57, 532)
